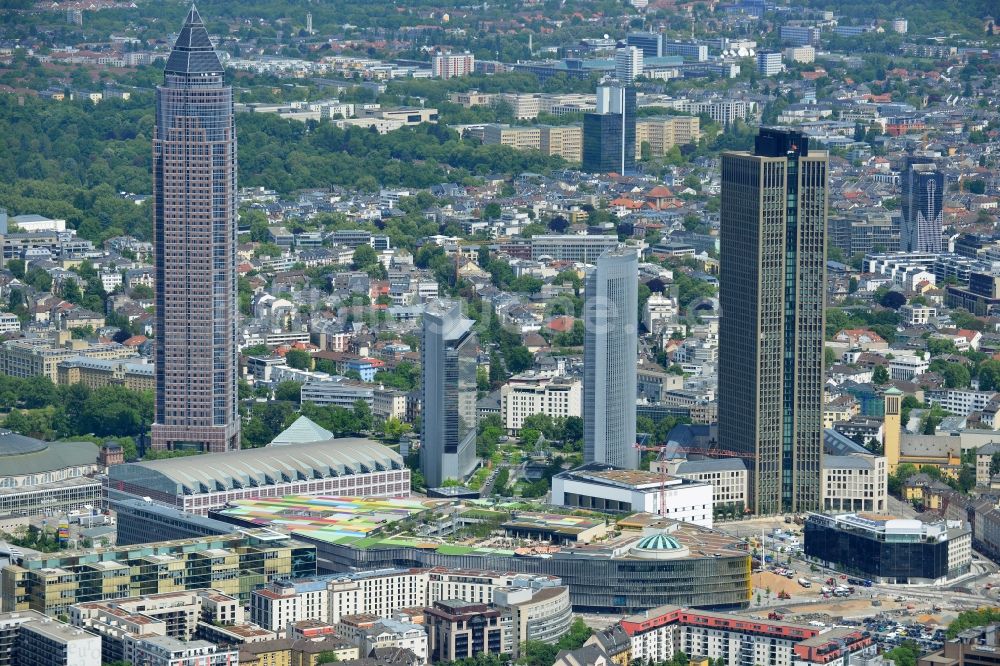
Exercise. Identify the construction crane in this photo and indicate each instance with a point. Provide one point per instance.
(663, 449)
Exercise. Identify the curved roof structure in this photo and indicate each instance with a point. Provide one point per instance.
(265, 466)
(24, 456)
(659, 546)
(658, 542)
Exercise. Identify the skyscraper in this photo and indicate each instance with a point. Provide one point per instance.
(921, 206)
(609, 133)
(611, 319)
(194, 235)
(773, 264)
(448, 354)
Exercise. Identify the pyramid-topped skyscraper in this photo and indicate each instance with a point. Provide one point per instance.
(194, 235)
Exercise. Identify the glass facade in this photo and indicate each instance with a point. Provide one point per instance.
(610, 360)
(596, 584)
(863, 555)
(773, 248)
(921, 205)
(609, 134)
(235, 564)
(449, 358)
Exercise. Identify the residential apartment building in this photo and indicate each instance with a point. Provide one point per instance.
(517, 137)
(528, 394)
(461, 630)
(724, 111)
(297, 651)
(450, 65)
(166, 651)
(380, 593)
(958, 401)
(628, 64)
(769, 63)
(52, 583)
(123, 623)
(29, 638)
(390, 633)
(773, 249)
(285, 602)
(565, 141)
(537, 615)
(661, 633)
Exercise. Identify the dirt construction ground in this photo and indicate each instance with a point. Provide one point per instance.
(766, 579)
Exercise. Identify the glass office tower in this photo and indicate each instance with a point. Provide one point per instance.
(773, 264)
(610, 359)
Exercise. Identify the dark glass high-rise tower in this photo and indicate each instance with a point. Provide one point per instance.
(609, 133)
(194, 235)
(449, 352)
(773, 265)
(921, 205)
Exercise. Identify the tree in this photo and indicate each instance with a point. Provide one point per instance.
(289, 391)
(298, 359)
(995, 464)
(893, 300)
(937, 346)
(327, 657)
(364, 256)
(880, 376)
(970, 619)
(573, 429)
(956, 375)
(16, 267)
(577, 635)
(492, 211)
(829, 357)
(519, 359)
(989, 375)
(905, 654)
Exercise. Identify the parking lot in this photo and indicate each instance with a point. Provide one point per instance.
(892, 613)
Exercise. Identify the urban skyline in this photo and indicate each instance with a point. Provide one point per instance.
(571, 334)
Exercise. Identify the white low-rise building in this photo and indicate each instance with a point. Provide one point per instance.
(380, 593)
(533, 393)
(605, 488)
(906, 368)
